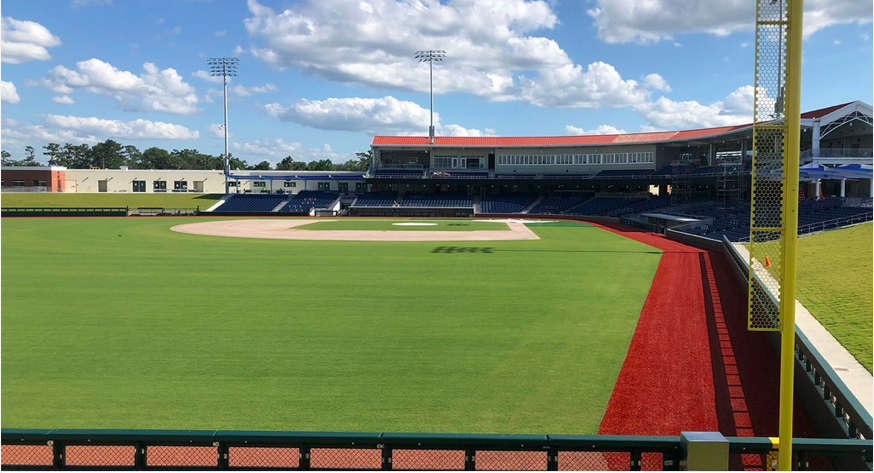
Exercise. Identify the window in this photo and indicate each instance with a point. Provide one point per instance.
(233, 183)
(159, 186)
(139, 186)
(289, 184)
(442, 162)
(324, 186)
(39, 183)
(17, 183)
(259, 184)
(180, 185)
(360, 187)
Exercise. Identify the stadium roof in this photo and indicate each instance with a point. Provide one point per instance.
(587, 140)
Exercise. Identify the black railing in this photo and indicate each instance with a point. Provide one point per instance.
(223, 450)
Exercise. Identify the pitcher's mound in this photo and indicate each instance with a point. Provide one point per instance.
(282, 229)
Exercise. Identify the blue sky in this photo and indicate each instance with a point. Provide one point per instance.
(319, 77)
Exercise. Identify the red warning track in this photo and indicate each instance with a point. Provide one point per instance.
(692, 365)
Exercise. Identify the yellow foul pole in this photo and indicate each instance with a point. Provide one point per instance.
(790, 237)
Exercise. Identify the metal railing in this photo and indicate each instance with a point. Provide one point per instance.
(164, 211)
(851, 419)
(224, 450)
(834, 223)
(25, 189)
(837, 153)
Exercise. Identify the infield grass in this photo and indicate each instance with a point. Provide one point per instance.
(835, 284)
(132, 200)
(122, 323)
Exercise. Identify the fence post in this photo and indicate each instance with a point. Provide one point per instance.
(470, 459)
(58, 454)
(140, 460)
(386, 457)
(552, 460)
(635, 460)
(304, 463)
(223, 455)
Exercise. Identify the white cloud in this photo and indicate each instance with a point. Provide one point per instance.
(23, 41)
(277, 148)
(63, 100)
(205, 75)
(84, 3)
(600, 130)
(135, 129)
(8, 92)
(656, 82)
(153, 90)
(643, 21)
(837, 42)
(238, 50)
(493, 51)
(220, 33)
(458, 130)
(217, 130)
(664, 113)
(242, 91)
(384, 115)
(14, 134)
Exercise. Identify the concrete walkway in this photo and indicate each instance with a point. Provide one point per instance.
(852, 373)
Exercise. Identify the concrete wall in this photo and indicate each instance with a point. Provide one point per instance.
(209, 182)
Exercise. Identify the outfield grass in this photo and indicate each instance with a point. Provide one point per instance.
(169, 200)
(835, 283)
(403, 225)
(122, 323)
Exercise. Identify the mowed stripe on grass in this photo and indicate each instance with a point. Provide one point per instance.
(121, 323)
(132, 200)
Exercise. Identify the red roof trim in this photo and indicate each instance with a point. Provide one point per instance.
(529, 141)
(821, 112)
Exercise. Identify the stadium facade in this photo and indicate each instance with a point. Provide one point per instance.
(690, 161)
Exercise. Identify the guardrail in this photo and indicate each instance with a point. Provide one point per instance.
(837, 153)
(159, 211)
(834, 223)
(838, 405)
(227, 449)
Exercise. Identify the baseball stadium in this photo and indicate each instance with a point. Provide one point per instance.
(585, 302)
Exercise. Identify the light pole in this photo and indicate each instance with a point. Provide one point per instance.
(431, 56)
(224, 67)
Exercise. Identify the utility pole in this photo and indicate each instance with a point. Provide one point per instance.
(224, 67)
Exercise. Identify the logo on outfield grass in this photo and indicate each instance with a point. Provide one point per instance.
(463, 249)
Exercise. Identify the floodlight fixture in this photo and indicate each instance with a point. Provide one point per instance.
(224, 67)
(431, 56)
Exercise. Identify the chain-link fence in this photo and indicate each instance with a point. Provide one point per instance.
(227, 450)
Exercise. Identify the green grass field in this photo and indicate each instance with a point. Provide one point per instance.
(122, 323)
(835, 283)
(404, 225)
(131, 200)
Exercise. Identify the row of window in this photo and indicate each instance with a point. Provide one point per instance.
(459, 162)
(21, 183)
(645, 157)
(264, 184)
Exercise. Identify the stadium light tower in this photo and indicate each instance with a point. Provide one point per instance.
(431, 56)
(224, 67)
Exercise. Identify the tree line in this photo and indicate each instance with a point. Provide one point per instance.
(113, 155)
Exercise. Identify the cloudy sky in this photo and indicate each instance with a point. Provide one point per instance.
(319, 77)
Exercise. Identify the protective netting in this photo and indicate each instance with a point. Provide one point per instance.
(100, 455)
(263, 457)
(179, 456)
(26, 455)
(428, 460)
(346, 458)
(510, 460)
(767, 220)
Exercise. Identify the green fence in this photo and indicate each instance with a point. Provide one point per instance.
(64, 211)
(223, 450)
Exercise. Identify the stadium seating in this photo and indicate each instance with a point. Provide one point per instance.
(437, 201)
(304, 201)
(506, 204)
(251, 203)
(373, 199)
(399, 174)
(556, 204)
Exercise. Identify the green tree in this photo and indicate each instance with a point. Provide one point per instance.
(262, 166)
(155, 158)
(236, 163)
(107, 155)
(320, 165)
(132, 157)
(286, 164)
(53, 152)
